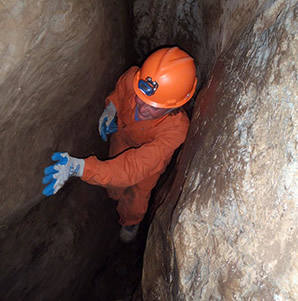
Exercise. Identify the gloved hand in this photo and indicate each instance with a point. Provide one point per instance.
(107, 124)
(56, 175)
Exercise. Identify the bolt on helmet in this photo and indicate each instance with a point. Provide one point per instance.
(167, 78)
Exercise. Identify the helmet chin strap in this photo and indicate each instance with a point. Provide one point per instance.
(170, 110)
(136, 114)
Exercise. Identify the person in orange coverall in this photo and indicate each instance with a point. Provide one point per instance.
(147, 124)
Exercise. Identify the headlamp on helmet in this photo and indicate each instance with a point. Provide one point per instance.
(148, 86)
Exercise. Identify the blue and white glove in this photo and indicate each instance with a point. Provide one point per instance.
(56, 175)
(107, 123)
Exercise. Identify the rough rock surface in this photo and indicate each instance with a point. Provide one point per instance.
(226, 225)
(203, 28)
(59, 59)
(227, 229)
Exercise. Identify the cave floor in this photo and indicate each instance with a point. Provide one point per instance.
(120, 278)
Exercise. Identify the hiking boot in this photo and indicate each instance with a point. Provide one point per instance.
(128, 233)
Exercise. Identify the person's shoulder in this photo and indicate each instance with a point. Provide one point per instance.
(126, 79)
(178, 122)
(178, 118)
(130, 73)
(133, 69)
(173, 128)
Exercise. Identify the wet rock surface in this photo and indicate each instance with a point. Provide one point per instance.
(228, 228)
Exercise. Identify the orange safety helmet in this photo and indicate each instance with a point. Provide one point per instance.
(167, 78)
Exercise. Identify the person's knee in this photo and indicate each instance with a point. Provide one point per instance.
(141, 209)
(132, 211)
(115, 193)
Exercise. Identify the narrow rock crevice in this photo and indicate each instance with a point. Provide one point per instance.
(222, 220)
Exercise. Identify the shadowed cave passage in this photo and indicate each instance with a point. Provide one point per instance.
(223, 218)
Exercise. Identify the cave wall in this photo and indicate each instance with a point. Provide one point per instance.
(226, 225)
(203, 28)
(226, 228)
(59, 59)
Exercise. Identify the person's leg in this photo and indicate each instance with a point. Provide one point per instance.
(117, 146)
(133, 203)
(132, 206)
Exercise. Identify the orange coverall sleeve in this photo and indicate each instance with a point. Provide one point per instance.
(137, 164)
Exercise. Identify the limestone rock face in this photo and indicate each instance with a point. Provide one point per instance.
(59, 60)
(227, 229)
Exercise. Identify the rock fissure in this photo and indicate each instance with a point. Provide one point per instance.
(222, 222)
